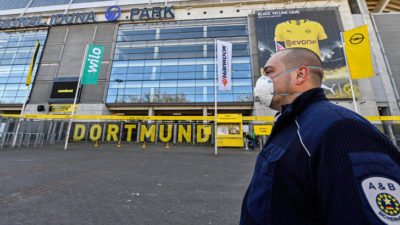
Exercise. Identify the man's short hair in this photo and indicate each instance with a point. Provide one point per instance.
(294, 57)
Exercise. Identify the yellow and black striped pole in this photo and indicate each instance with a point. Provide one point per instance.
(33, 61)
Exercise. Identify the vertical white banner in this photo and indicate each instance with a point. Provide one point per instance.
(224, 64)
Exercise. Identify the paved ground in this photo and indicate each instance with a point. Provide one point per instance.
(127, 185)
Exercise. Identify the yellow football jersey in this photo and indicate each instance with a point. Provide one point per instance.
(300, 34)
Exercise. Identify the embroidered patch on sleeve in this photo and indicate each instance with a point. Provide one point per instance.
(383, 195)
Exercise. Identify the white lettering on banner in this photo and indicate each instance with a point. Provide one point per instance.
(224, 64)
(224, 80)
(93, 59)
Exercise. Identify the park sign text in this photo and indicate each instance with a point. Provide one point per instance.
(142, 14)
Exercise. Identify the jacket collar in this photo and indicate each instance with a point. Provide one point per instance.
(303, 101)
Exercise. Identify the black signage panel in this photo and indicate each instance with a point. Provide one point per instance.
(64, 90)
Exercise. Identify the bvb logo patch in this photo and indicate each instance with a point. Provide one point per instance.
(388, 204)
(383, 196)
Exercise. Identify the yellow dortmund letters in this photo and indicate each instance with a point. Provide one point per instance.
(207, 133)
(169, 133)
(147, 133)
(185, 133)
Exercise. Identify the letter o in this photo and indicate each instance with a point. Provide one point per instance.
(96, 128)
(96, 51)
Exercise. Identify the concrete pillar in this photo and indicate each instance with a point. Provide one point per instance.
(258, 109)
(380, 60)
(204, 114)
(151, 112)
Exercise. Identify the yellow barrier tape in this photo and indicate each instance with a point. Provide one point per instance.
(259, 118)
(186, 118)
(105, 117)
(47, 116)
(111, 117)
(373, 118)
(382, 118)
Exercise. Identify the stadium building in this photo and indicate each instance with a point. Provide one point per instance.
(159, 56)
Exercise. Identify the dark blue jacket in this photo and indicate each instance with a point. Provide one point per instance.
(323, 164)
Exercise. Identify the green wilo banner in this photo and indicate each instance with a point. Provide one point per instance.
(93, 60)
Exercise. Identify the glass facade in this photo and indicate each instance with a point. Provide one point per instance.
(7, 4)
(16, 50)
(20, 4)
(174, 62)
(38, 3)
(82, 1)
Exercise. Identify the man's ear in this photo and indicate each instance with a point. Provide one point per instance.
(303, 74)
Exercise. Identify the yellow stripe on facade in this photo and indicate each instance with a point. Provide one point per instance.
(171, 118)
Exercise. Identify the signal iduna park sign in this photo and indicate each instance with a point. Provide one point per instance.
(111, 14)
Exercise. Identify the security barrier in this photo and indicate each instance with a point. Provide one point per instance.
(35, 130)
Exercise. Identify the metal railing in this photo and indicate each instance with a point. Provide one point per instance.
(35, 132)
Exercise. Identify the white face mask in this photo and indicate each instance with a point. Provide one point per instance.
(264, 89)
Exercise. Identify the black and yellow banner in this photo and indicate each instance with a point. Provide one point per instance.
(35, 53)
(62, 108)
(358, 52)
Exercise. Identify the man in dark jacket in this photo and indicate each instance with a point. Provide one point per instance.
(322, 163)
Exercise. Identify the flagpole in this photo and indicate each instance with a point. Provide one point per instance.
(215, 99)
(20, 116)
(28, 83)
(348, 70)
(76, 96)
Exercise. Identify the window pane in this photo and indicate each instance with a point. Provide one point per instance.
(169, 83)
(243, 97)
(6, 4)
(168, 76)
(134, 76)
(243, 89)
(168, 90)
(133, 91)
(186, 90)
(186, 83)
(187, 75)
(133, 84)
(151, 83)
(225, 98)
(241, 82)
(205, 98)
(241, 66)
(38, 3)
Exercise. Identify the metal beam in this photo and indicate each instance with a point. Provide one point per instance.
(394, 6)
(380, 6)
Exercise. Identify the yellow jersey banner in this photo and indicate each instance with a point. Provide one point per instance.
(300, 34)
(358, 52)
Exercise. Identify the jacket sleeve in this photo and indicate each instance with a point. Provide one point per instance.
(351, 152)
